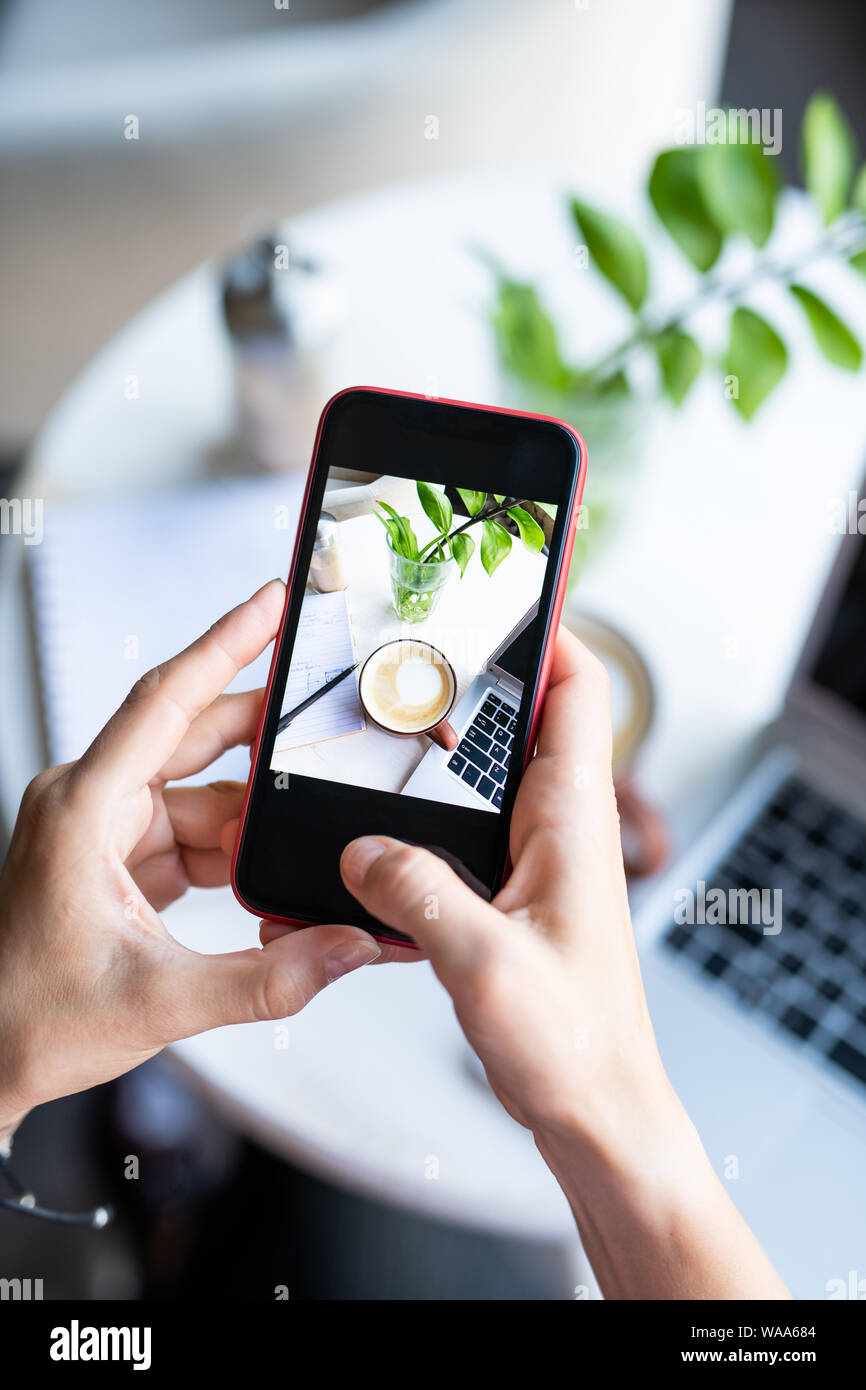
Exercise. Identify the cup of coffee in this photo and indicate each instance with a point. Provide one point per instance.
(408, 688)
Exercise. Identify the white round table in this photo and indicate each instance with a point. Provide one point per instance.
(721, 550)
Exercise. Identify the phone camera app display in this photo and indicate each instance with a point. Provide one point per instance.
(414, 639)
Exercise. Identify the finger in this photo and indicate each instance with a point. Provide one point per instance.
(392, 951)
(246, 986)
(231, 720)
(163, 878)
(565, 828)
(150, 724)
(228, 835)
(575, 723)
(198, 815)
(206, 868)
(415, 891)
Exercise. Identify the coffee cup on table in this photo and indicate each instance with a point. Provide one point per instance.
(408, 688)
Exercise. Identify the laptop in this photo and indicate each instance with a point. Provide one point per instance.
(754, 956)
(484, 719)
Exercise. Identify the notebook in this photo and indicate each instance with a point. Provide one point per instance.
(121, 584)
(323, 648)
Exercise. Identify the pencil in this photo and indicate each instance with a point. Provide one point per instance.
(286, 719)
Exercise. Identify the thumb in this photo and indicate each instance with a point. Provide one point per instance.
(411, 889)
(271, 983)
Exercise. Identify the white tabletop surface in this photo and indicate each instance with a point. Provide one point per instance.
(719, 556)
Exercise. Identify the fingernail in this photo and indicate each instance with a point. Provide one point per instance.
(359, 855)
(350, 956)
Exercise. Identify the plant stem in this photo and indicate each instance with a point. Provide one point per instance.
(483, 515)
(846, 237)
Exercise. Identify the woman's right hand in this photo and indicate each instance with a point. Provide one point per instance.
(545, 979)
(547, 987)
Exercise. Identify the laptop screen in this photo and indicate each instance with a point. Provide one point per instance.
(517, 656)
(840, 666)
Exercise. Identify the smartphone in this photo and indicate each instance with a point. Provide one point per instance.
(410, 667)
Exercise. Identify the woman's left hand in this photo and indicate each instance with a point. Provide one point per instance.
(91, 982)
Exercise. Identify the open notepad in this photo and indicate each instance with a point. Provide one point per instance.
(323, 648)
(122, 584)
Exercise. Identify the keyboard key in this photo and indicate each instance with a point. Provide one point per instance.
(751, 990)
(716, 964)
(498, 773)
(844, 1055)
(474, 755)
(480, 740)
(746, 932)
(486, 787)
(798, 1022)
(486, 725)
(793, 964)
(512, 726)
(456, 763)
(501, 737)
(497, 798)
(509, 709)
(830, 989)
(488, 709)
(471, 775)
(502, 718)
(492, 699)
(498, 752)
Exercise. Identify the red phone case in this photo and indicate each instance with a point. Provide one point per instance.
(546, 660)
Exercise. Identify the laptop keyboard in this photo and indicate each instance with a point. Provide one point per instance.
(810, 977)
(482, 756)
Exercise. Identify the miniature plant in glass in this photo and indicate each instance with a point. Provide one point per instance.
(420, 570)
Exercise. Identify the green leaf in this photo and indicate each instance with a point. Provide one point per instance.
(526, 338)
(835, 340)
(680, 360)
(436, 505)
(530, 532)
(828, 151)
(473, 501)
(675, 193)
(858, 192)
(495, 545)
(757, 357)
(859, 262)
(403, 538)
(462, 548)
(615, 250)
(611, 388)
(739, 185)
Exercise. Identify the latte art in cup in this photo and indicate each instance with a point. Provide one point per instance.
(407, 687)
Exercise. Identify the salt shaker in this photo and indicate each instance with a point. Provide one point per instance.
(326, 568)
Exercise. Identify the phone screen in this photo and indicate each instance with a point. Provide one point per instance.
(409, 660)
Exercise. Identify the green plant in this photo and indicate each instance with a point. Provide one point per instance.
(703, 194)
(453, 542)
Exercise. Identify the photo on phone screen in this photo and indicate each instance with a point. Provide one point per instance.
(423, 599)
(407, 669)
